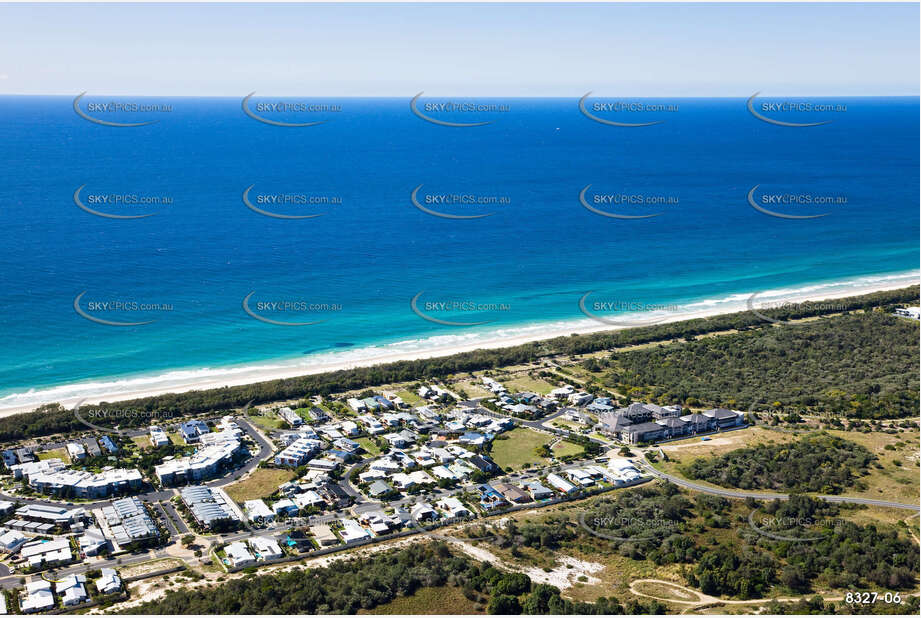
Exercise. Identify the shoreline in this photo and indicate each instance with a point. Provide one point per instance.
(97, 392)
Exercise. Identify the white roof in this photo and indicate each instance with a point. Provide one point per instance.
(237, 552)
(257, 508)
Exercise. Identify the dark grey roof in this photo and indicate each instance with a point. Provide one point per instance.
(644, 428)
(614, 421)
(671, 422)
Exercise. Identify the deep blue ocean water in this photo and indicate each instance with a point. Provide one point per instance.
(373, 252)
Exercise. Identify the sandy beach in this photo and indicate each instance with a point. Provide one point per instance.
(183, 381)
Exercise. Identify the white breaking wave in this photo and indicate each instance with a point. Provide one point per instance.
(496, 336)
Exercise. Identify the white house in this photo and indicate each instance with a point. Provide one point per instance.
(38, 597)
(453, 507)
(265, 548)
(257, 511)
(109, 581)
(352, 531)
(238, 554)
(72, 590)
(11, 540)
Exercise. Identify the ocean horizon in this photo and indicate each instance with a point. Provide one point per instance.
(497, 231)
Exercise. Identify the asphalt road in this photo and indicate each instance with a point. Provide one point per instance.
(729, 493)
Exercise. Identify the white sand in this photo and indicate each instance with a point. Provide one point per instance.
(91, 393)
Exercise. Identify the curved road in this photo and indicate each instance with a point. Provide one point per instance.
(729, 493)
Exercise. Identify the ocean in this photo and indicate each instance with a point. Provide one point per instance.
(348, 276)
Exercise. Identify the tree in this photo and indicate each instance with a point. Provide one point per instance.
(513, 584)
(504, 605)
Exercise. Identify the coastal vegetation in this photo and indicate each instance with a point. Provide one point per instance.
(834, 392)
(818, 462)
(351, 586)
(718, 549)
(858, 365)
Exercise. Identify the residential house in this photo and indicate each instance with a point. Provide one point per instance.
(158, 437)
(238, 555)
(323, 535)
(538, 491)
(290, 416)
(265, 548)
(453, 507)
(560, 484)
(38, 597)
(72, 590)
(109, 582)
(512, 493)
(258, 512)
(191, 431)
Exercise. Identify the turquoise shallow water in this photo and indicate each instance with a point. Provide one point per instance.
(373, 250)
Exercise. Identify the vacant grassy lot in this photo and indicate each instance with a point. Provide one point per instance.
(897, 478)
(261, 483)
(440, 600)
(518, 448)
(369, 446)
(267, 422)
(59, 453)
(527, 383)
(564, 448)
(141, 441)
(473, 388)
(409, 397)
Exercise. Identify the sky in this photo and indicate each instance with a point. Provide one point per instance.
(398, 50)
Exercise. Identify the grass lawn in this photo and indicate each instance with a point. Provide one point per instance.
(529, 384)
(261, 483)
(141, 441)
(438, 600)
(369, 446)
(60, 453)
(568, 425)
(518, 448)
(473, 388)
(175, 438)
(898, 483)
(411, 398)
(267, 422)
(563, 448)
